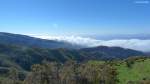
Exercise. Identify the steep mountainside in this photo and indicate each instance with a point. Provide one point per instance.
(24, 57)
(23, 51)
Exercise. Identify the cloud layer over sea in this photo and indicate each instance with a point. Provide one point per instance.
(136, 44)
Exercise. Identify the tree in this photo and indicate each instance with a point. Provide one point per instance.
(72, 72)
(45, 73)
(13, 77)
(96, 73)
(69, 73)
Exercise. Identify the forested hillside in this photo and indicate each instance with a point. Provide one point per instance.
(23, 57)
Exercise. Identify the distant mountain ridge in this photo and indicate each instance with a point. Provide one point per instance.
(23, 40)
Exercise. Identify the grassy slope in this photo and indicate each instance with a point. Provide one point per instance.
(139, 70)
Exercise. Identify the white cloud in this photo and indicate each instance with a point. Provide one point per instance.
(137, 44)
(142, 2)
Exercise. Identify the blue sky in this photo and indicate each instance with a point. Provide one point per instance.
(74, 17)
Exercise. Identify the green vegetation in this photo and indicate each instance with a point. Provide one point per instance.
(134, 70)
(139, 70)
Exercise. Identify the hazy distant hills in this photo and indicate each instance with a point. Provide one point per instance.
(122, 36)
(22, 51)
(105, 52)
(23, 40)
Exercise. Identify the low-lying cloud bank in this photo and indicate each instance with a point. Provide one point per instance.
(136, 44)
